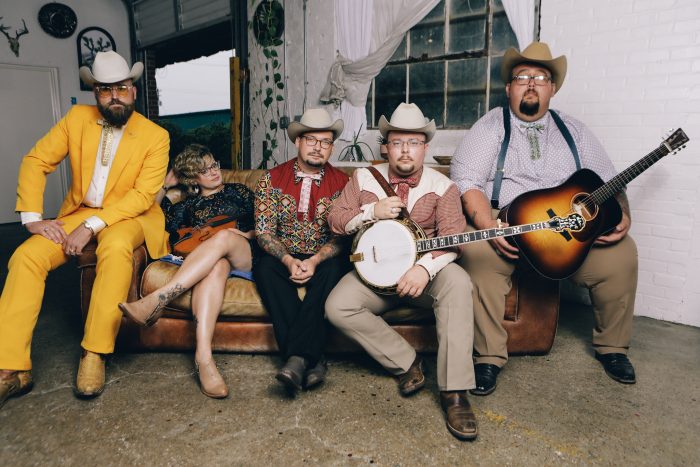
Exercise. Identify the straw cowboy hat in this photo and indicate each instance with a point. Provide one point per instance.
(315, 120)
(407, 117)
(110, 67)
(537, 52)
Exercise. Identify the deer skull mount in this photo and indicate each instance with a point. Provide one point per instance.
(14, 41)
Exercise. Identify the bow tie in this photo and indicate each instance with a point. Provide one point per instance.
(305, 193)
(532, 129)
(402, 186)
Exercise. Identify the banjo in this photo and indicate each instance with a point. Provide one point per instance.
(384, 250)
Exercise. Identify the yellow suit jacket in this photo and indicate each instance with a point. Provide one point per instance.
(136, 175)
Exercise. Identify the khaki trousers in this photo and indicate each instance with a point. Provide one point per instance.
(22, 295)
(609, 273)
(355, 309)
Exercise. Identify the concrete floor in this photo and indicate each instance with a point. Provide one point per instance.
(556, 409)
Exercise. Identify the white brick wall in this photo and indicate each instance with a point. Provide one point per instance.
(634, 72)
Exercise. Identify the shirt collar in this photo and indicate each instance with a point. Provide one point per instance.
(298, 179)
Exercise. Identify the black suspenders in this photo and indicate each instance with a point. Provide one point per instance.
(498, 178)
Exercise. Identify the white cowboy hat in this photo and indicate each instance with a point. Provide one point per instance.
(110, 67)
(539, 53)
(408, 118)
(315, 120)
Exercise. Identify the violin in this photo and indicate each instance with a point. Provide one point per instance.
(189, 238)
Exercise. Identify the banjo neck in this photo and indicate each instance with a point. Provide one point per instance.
(447, 241)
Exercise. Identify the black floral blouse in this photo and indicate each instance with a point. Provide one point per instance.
(235, 200)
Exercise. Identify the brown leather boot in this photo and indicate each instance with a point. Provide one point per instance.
(15, 384)
(413, 380)
(459, 416)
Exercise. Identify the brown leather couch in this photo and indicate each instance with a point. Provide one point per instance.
(244, 326)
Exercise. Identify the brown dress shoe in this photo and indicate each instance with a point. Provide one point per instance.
(16, 384)
(144, 312)
(91, 375)
(459, 415)
(210, 381)
(413, 380)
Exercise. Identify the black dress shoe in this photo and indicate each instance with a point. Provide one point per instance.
(316, 374)
(618, 367)
(486, 376)
(292, 373)
(459, 415)
(413, 380)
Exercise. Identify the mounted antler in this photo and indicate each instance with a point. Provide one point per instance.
(14, 41)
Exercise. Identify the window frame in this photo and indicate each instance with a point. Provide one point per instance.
(446, 58)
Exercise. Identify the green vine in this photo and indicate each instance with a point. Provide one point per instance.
(267, 25)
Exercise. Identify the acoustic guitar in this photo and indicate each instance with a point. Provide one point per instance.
(559, 255)
(189, 238)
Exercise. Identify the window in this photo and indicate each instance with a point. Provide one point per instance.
(448, 64)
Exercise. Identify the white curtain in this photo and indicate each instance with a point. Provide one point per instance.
(521, 16)
(349, 78)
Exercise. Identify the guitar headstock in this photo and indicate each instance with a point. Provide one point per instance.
(675, 141)
(573, 222)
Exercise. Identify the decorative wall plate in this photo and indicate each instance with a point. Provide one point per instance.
(58, 20)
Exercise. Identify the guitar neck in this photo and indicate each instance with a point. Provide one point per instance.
(620, 181)
(448, 241)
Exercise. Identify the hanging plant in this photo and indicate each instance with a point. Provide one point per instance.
(268, 25)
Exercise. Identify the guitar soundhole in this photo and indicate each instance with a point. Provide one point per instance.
(583, 205)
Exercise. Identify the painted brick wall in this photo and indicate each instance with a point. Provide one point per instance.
(634, 72)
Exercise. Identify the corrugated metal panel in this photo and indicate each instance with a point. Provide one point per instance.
(154, 20)
(197, 12)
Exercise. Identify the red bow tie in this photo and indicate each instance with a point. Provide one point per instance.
(402, 186)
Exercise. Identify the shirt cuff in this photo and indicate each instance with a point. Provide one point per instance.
(95, 223)
(366, 216)
(28, 217)
(435, 265)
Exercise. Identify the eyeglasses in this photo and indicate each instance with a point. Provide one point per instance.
(540, 80)
(122, 90)
(412, 143)
(312, 140)
(216, 165)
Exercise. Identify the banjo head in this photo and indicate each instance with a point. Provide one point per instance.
(386, 250)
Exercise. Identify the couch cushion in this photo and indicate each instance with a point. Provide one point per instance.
(241, 299)
(242, 302)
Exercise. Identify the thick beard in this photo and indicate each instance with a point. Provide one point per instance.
(529, 108)
(116, 118)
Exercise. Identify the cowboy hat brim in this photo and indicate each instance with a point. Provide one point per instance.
(297, 129)
(89, 79)
(512, 58)
(428, 129)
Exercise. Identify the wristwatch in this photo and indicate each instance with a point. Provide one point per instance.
(89, 227)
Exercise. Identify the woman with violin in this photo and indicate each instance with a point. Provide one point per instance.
(227, 251)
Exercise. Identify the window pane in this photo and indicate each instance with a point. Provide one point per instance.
(503, 36)
(426, 88)
(390, 90)
(428, 41)
(466, 91)
(467, 34)
(436, 14)
(466, 7)
(400, 53)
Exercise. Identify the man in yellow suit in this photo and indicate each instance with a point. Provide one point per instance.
(118, 161)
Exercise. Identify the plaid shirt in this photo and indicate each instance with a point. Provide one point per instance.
(277, 199)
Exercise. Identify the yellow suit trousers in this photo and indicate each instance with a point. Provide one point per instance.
(22, 295)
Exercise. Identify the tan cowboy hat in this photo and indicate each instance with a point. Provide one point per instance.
(110, 67)
(315, 120)
(537, 52)
(407, 117)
